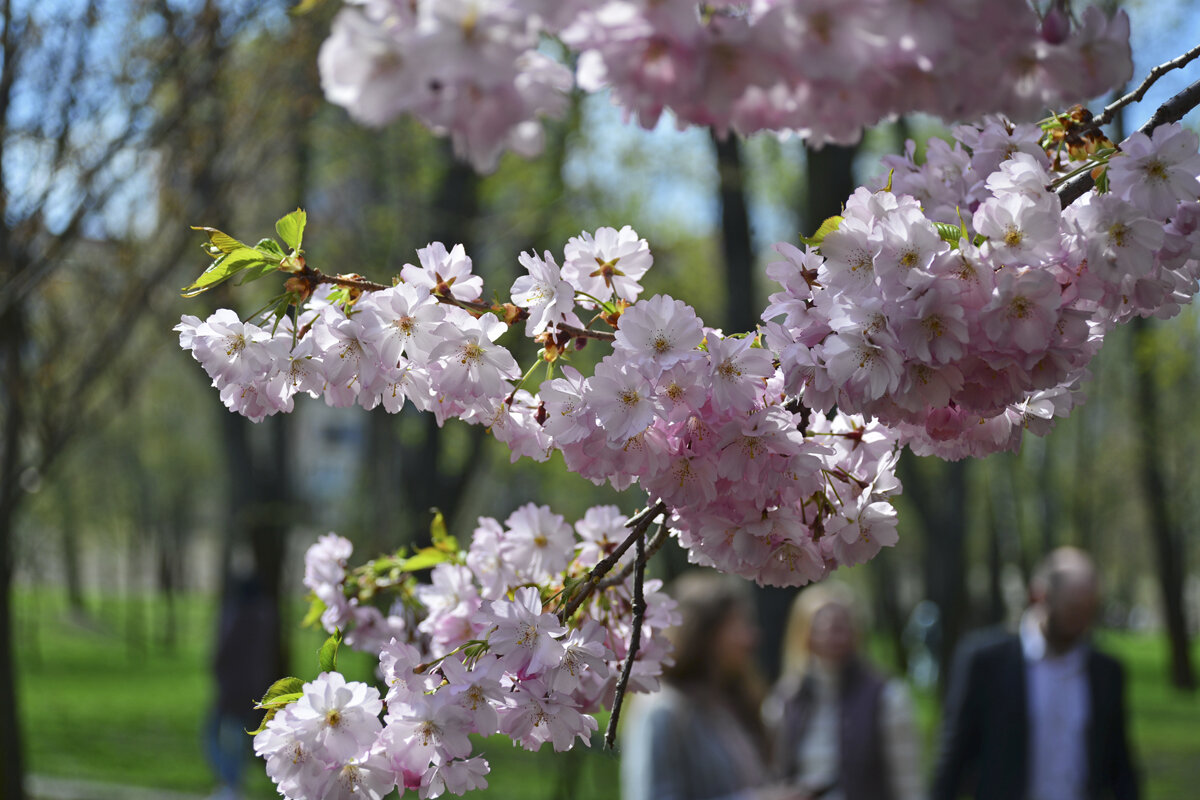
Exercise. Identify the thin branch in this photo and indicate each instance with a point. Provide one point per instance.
(656, 543)
(635, 641)
(365, 285)
(1171, 111)
(1137, 94)
(361, 284)
(639, 522)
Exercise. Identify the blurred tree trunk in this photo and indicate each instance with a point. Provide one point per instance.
(830, 182)
(257, 465)
(737, 248)
(1165, 535)
(737, 251)
(11, 337)
(937, 491)
(69, 543)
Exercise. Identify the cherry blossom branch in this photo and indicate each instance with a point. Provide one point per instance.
(1170, 111)
(1137, 94)
(362, 284)
(656, 543)
(639, 522)
(635, 640)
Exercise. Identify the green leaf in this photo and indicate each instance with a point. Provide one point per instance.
(327, 655)
(220, 240)
(316, 607)
(291, 228)
(949, 233)
(280, 700)
(224, 268)
(270, 247)
(270, 715)
(442, 540)
(281, 687)
(425, 558)
(827, 227)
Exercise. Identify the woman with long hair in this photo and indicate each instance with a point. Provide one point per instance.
(841, 731)
(702, 737)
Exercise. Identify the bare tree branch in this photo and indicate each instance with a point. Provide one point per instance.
(1171, 111)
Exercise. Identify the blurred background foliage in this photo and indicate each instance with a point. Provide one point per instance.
(130, 500)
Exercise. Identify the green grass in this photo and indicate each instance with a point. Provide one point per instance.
(102, 704)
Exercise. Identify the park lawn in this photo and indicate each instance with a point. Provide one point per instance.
(103, 706)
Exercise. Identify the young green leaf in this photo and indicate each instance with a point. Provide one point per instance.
(220, 240)
(267, 717)
(281, 687)
(316, 607)
(827, 227)
(425, 558)
(949, 233)
(291, 228)
(327, 655)
(224, 268)
(270, 247)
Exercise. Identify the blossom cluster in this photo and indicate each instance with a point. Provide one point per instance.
(479, 654)
(757, 484)
(961, 342)
(819, 68)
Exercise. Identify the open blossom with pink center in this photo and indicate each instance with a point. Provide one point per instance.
(368, 777)
(346, 362)
(548, 298)
(469, 362)
(400, 320)
(583, 650)
(525, 638)
(1024, 310)
(600, 531)
(427, 727)
(568, 418)
(1157, 172)
(621, 398)
(607, 263)
(292, 762)
(537, 543)
(457, 776)
(661, 330)
(490, 569)
(337, 718)
(441, 268)
(1019, 230)
(231, 351)
(1119, 239)
(536, 714)
(739, 370)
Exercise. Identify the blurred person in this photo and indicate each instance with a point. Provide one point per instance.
(242, 668)
(701, 736)
(1039, 715)
(842, 731)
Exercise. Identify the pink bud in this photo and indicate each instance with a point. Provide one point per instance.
(1056, 27)
(944, 424)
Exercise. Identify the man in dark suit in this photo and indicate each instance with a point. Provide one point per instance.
(1039, 715)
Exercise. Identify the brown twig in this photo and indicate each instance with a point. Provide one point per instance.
(1170, 111)
(639, 522)
(656, 543)
(1137, 94)
(361, 284)
(635, 640)
(475, 307)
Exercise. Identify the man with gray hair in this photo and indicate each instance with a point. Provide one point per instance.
(1039, 715)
